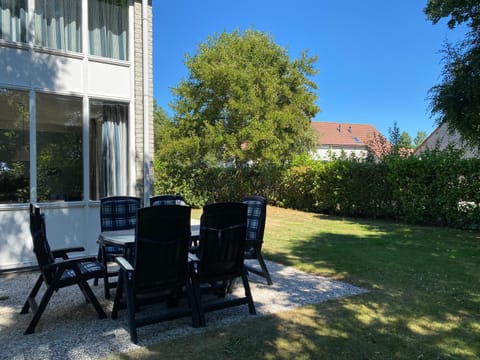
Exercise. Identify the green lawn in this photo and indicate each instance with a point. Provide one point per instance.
(424, 299)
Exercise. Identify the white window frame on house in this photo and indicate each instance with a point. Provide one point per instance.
(34, 44)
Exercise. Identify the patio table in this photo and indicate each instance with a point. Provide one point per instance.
(126, 238)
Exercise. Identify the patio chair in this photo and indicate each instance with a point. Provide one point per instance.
(257, 213)
(167, 199)
(57, 271)
(220, 257)
(116, 213)
(159, 270)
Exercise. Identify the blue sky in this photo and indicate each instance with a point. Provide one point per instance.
(377, 59)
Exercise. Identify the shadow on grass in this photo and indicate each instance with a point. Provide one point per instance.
(425, 298)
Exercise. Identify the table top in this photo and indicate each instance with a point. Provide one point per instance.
(127, 237)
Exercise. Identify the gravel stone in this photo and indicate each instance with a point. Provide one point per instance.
(70, 329)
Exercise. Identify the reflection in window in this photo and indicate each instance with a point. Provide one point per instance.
(108, 149)
(108, 28)
(57, 24)
(13, 19)
(14, 146)
(59, 148)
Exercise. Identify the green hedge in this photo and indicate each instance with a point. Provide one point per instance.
(202, 185)
(440, 188)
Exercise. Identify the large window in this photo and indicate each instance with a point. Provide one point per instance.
(58, 24)
(59, 148)
(14, 146)
(108, 149)
(13, 20)
(108, 28)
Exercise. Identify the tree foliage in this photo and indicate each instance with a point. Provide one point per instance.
(457, 99)
(421, 136)
(160, 121)
(405, 140)
(244, 101)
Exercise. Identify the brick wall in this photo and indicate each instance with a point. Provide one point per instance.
(138, 65)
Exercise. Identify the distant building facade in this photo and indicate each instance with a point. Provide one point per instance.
(441, 138)
(340, 140)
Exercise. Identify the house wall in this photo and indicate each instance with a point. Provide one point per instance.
(24, 67)
(441, 138)
(327, 153)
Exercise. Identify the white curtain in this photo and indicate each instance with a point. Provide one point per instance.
(113, 167)
(108, 28)
(13, 17)
(57, 24)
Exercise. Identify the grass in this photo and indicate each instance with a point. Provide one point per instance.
(424, 299)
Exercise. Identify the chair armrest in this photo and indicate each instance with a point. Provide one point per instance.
(62, 253)
(123, 263)
(69, 263)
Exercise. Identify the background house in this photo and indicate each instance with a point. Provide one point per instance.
(337, 140)
(76, 118)
(441, 138)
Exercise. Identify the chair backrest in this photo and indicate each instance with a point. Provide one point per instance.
(41, 247)
(162, 239)
(118, 212)
(222, 241)
(257, 213)
(167, 199)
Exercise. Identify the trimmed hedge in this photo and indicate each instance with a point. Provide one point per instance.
(440, 188)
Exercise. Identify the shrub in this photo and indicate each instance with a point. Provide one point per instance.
(440, 188)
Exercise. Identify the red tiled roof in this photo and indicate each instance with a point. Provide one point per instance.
(343, 134)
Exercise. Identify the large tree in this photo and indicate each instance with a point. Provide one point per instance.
(456, 100)
(244, 101)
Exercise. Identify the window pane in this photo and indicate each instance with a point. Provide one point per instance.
(108, 28)
(59, 148)
(14, 146)
(108, 149)
(13, 19)
(57, 24)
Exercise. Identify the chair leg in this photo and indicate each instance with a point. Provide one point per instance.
(198, 299)
(99, 258)
(32, 295)
(131, 309)
(91, 296)
(265, 272)
(193, 305)
(106, 283)
(39, 311)
(118, 295)
(248, 293)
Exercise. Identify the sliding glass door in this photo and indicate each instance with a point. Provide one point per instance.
(108, 149)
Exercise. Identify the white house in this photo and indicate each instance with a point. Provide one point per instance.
(336, 140)
(76, 116)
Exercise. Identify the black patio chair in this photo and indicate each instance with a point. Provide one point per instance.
(159, 269)
(116, 213)
(220, 257)
(257, 213)
(57, 271)
(167, 199)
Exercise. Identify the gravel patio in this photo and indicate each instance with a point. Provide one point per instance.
(70, 329)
